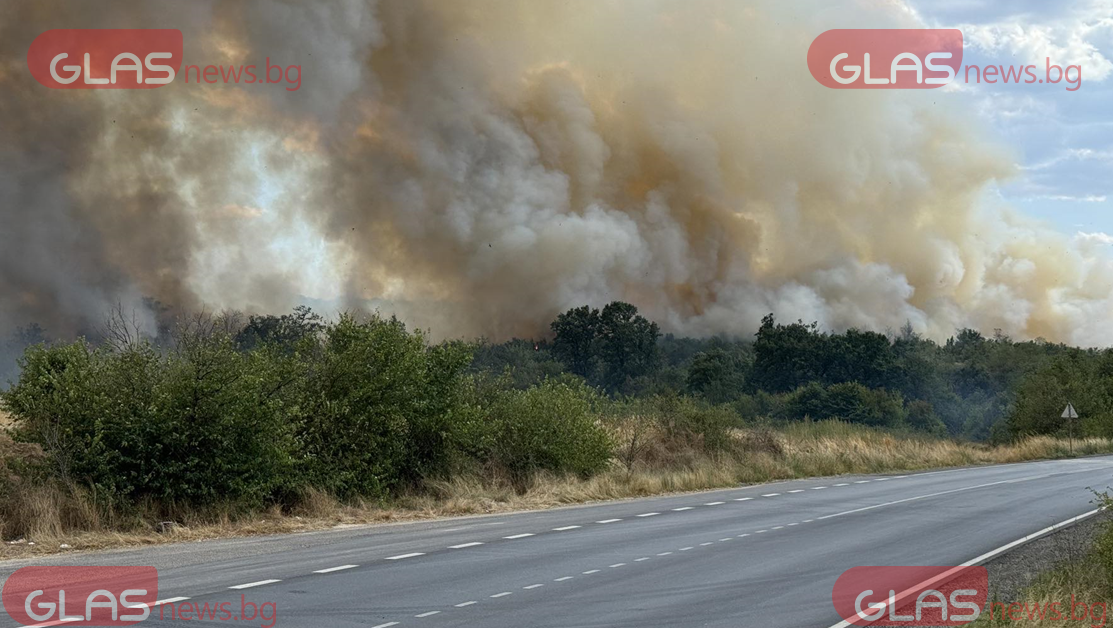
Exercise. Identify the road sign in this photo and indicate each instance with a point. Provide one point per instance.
(1069, 413)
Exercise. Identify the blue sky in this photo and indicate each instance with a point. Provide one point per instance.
(1063, 140)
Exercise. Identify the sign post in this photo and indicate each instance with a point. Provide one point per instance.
(1070, 415)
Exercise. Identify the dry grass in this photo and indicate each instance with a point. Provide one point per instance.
(52, 516)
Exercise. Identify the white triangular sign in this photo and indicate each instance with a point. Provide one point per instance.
(1069, 413)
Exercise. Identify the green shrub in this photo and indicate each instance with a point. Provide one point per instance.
(552, 427)
(377, 408)
(198, 425)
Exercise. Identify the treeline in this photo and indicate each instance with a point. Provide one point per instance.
(970, 387)
(258, 411)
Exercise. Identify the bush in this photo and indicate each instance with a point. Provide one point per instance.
(549, 427)
(198, 425)
(376, 408)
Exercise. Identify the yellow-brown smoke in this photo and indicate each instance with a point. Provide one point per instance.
(477, 167)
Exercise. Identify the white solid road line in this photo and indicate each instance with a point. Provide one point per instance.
(608, 521)
(332, 569)
(429, 614)
(401, 556)
(565, 528)
(956, 490)
(254, 584)
(518, 536)
(899, 598)
(463, 545)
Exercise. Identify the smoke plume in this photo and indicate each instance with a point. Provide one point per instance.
(477, 167)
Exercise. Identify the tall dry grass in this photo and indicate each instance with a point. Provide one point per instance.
(50, 515)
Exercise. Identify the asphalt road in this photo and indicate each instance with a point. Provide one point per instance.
(762, 556)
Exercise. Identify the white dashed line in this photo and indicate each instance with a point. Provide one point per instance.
(386, 625)
(683, 508)
(608, 521)
(649, 514)
(818, 488)
(591, 571)
(463, 545)
(714, 503)
(883, 479)
(743, 535)
(778, 527)
(862, 482)
(742, 499)
(563, 579)
(705, 544)
(807, 521)
(799, 490)
(254, 584)
(900, 477)
(402, 556)
(638, 560)
(332, 569)
(684, 549)
(771, 495)
(463, 604)
(503, 594)
(429, 614)
(729, 538)
(794, 523)
(843, 484)
(761, 531)
(665, 554)
(518, 536)
(617, 565)
(170, 600)
(565, 528)
(533, 586)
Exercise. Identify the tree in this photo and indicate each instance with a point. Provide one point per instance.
(284, 331)
(609, 347)
(574, 344)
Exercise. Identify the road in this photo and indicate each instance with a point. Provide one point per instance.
(764, 556)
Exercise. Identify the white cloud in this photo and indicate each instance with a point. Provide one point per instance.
(1072, 40)
(1096, 237)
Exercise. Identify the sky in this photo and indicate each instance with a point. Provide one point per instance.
(1063, 140)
